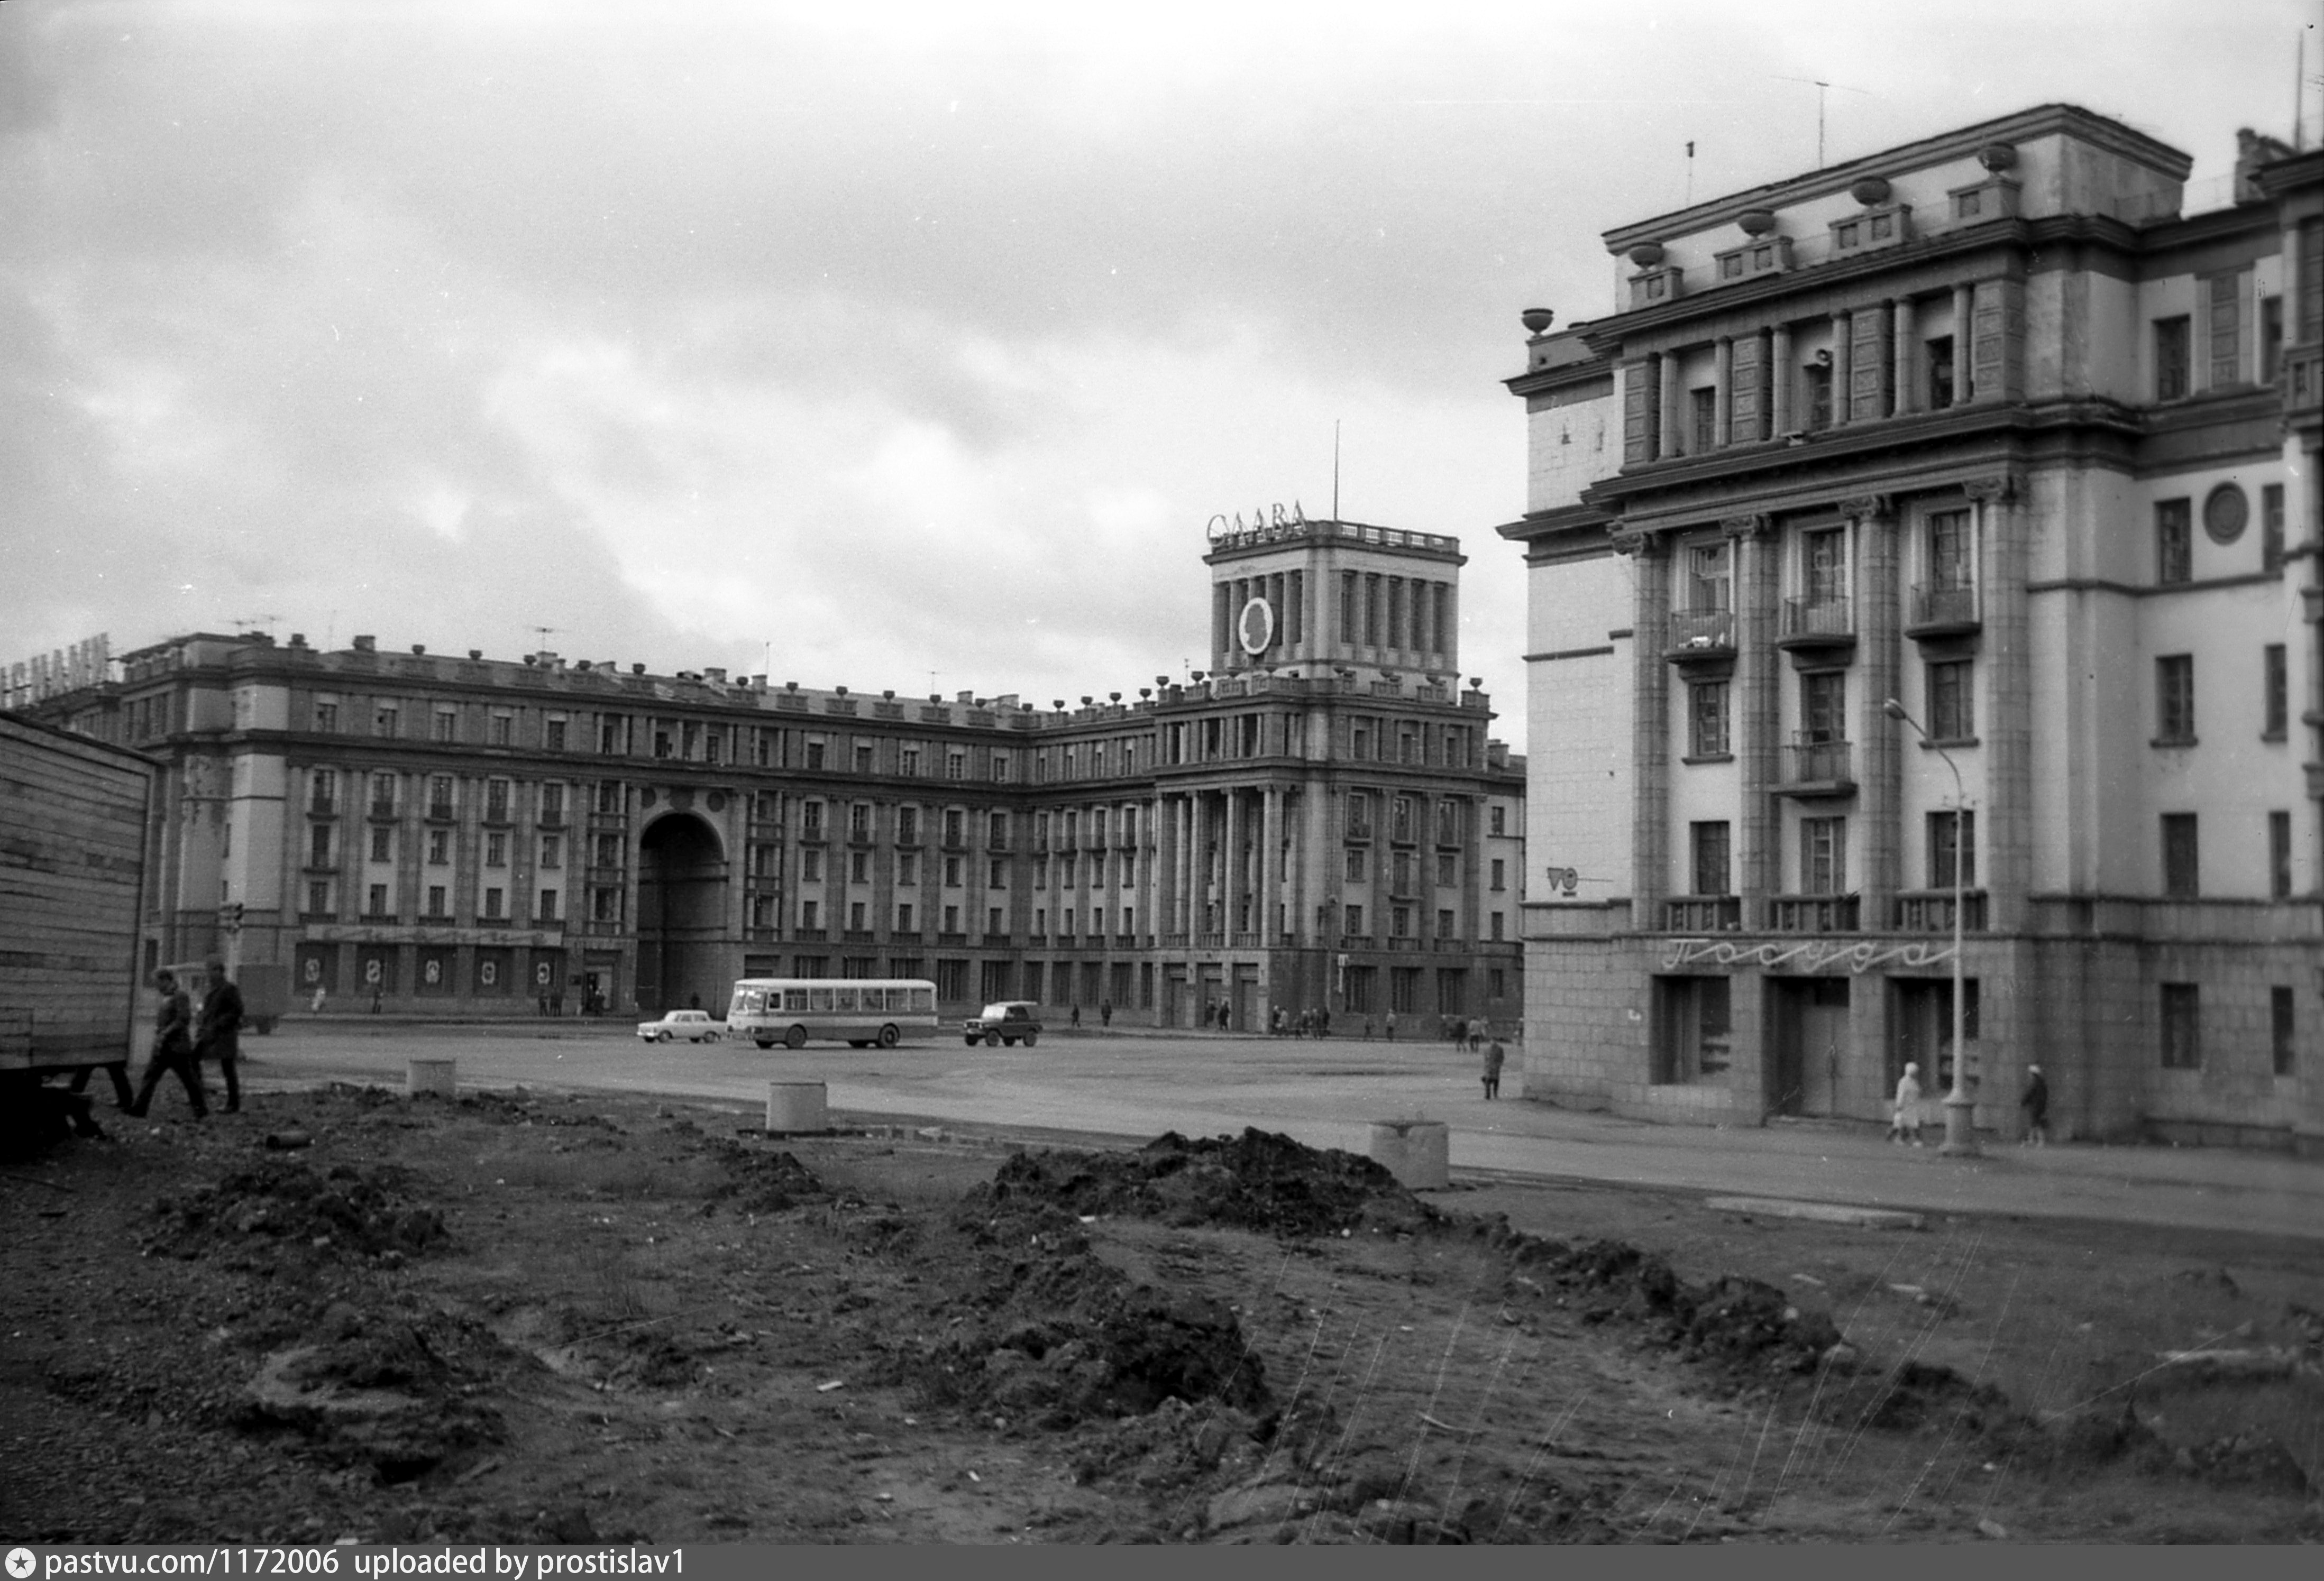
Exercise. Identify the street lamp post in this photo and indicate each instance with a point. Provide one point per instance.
(1960, 1109)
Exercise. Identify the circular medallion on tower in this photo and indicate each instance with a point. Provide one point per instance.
(1255, 627)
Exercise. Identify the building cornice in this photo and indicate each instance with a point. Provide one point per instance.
(2041, 121)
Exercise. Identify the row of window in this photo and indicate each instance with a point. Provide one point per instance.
(2174, 697)
(492, 904)
(382, 796)
(766, 863)
(1402, 867)
(1401, 918)
(2226, 512)
(1818, 578)
(493, 849)
(1405, 813)
(1694, 1022)
(1823, 854)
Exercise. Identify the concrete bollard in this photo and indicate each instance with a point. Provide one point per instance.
(795, 1106)
(1417, 1153)
(431, 1078)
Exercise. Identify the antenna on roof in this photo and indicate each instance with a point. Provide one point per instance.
(1690, 173)
(1335, 469)
(1821, 87)
(256, 623)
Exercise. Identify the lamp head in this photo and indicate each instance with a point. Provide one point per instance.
(1895, 710)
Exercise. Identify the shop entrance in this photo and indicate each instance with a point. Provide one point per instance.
(1809, 1035)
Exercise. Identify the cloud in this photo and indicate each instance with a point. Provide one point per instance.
(901, 338)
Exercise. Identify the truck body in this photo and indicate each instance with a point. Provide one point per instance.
(74, 816)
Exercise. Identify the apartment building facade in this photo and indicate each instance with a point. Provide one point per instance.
(1987, 428)
(472, 836)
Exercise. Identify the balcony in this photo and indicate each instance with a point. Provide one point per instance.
(1943, 609)
(1818, 623)
(552, 818)
(858, 936)
(1931, 912)
(1818, 769)
(1700, 636)
(1703, 914)
(1813, 914)
(323, 807)
(956, 941)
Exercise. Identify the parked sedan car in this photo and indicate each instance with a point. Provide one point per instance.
(693, 1025)
(1012, 1021)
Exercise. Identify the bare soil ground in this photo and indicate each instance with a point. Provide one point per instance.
(548, 1320)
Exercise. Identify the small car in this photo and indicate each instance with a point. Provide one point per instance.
(693, 1025)
(1010, 1021)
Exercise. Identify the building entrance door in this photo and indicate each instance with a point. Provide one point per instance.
(1246, 999)
(1809, 1038)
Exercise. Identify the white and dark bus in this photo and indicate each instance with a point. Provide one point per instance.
(857, 1011)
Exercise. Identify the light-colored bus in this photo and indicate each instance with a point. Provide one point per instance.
(857, 1011)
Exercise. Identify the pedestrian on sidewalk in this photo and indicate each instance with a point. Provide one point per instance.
(1905, 1121)
(217, 1035)
(2036, 1105)
(1391, 1026)
(173, 1050)
(1494, 1055)
(1105, 1013)
(1075, 1018)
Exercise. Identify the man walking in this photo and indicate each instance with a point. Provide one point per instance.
(217, 1035)
(173, 1050)
(1905, 1119)
(2036, 1105)
(1494, 1055)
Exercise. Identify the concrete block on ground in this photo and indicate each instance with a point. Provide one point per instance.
(431, 1078)
(1820, 1212)
(796, 1105)
(1417, 1153)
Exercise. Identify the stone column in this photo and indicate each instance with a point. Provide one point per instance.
(1668, 425)
(1964, 317)
(1779, 381)
(2005, 834)
(1722, 399)
(1843, 368)
(1270, 841)
(1879, 770)
(1650, 739)
(1904, 387)
(1230, 875)
(1755, 711)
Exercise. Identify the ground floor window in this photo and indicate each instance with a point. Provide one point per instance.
(952, 980)
(1119, 995)
(1361, 989)
(1693, 1027)
(1451, 990)
(1037, 982)
(1922, 1031)
(994, 980)
(2280, 1020)
(1403, 989)
(1146, 986)
(2183, 1047)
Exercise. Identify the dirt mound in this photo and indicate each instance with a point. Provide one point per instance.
(1259, 1180)
(390, 1392)
(766, 1182)
(368, 1212)
(1057, 1337)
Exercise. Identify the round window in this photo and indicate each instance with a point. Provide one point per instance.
(2226, 513)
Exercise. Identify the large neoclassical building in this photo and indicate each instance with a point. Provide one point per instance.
(1993, 427)
(1318, 820)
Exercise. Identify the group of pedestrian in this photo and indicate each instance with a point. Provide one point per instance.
(1471, 1031)
(1311, 1022)
(182, 1040)
(1904, 1114)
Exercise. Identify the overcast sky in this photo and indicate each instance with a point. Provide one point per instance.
(904, 339)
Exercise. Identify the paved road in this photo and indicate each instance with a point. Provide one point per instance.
(1327, 1094)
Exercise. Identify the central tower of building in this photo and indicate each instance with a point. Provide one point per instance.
(1309, 598)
